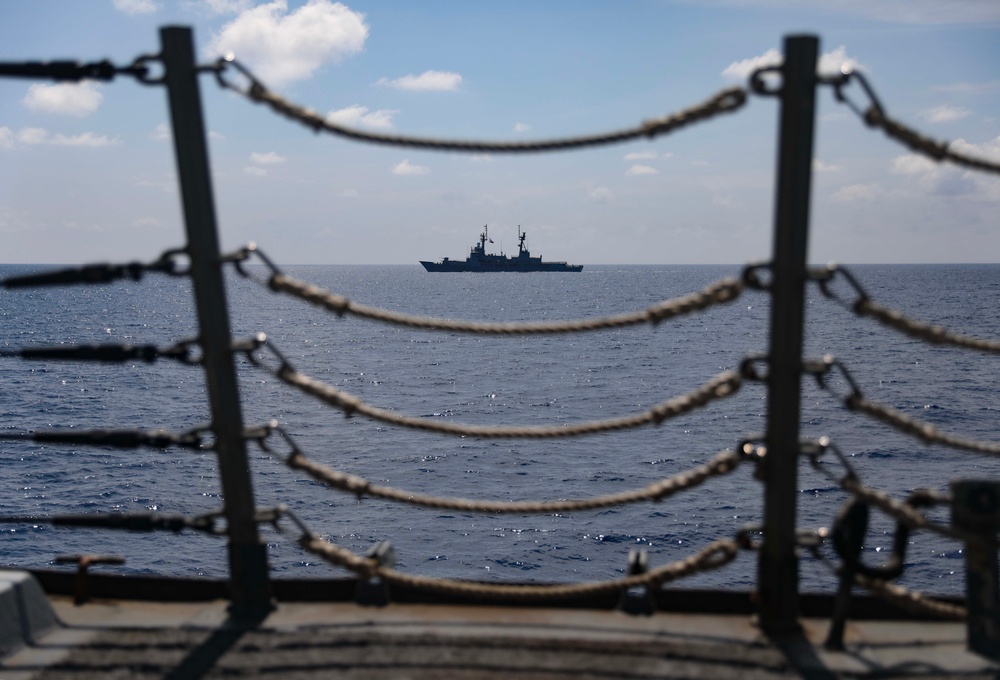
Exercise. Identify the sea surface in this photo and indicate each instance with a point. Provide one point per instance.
(460, 378)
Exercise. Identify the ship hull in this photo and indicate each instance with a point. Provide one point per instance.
(512, 266)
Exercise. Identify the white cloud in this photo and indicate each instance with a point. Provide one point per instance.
(225, 6)
(832, 62)
(254, 170)
(404, 167)
(599, 195)
(638, 169)
(6, 138)
(428, 81)
(829, 62)
(71, 99)
(741, 70)
(359, 115)
(349, 193)
(161, 133)
(858, 193)
(218, 136)
(481, 158)
(820, 166)
(912, 164)
(135, 6)
(946, 179)
(944, 114)
(148, 221)
(521, 127)
(282, 46)
(37, 136)
(640, 156)
(269, 158)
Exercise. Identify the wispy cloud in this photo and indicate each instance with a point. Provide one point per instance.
(404, 167)
(255, 171)
(40, 136)
(360, 116)
(969, 88)
(269, 158)
(70, 99)
(944, 114)
(639, 169)
(599, 195)
(135, 6)
(521, 127)
(283, 46)
(428, 81)
(855, 193)
(6, 138)
(820, 166)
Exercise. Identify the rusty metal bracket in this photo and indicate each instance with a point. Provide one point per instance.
(83, 563)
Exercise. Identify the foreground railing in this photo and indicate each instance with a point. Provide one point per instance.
(775, 454)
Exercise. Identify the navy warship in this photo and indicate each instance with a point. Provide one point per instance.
(480, 261)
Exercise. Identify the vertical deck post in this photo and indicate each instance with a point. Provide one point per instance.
(778, 573)
(249, 585)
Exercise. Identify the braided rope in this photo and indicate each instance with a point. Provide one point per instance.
(725, 290)
(910, 600)
(721, 464)
(725, 101)
(721, 386)
(937, 335)
(939, 151)
(713, 556)
(923, 431)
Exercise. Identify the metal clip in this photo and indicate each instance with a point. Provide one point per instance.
(638, 600)
(374, 592)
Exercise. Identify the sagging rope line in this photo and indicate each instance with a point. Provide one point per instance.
(875, 116)
(722, 463)
(863, 305)
(721, 386)
(713, 556)
(926, 432)
(719, 292)
(934, 334)
(856, 401)
(725, 101)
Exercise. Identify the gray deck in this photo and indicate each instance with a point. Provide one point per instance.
(118, 640)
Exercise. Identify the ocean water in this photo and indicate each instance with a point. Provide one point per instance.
(493, 381)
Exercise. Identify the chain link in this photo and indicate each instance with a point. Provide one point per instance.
(713, 556)
(725, 101)
(725, 290)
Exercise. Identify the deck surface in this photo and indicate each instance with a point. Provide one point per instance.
(117, 640)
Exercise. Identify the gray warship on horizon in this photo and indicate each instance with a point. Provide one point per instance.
(481, 261)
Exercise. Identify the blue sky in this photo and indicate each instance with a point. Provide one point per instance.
(87, 172)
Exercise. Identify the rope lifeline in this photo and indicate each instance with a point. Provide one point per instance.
(724, 462)
(725, 290)
(926, 432)
(713, 556)
(719, 387)
(725, 101)
(920, 330)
